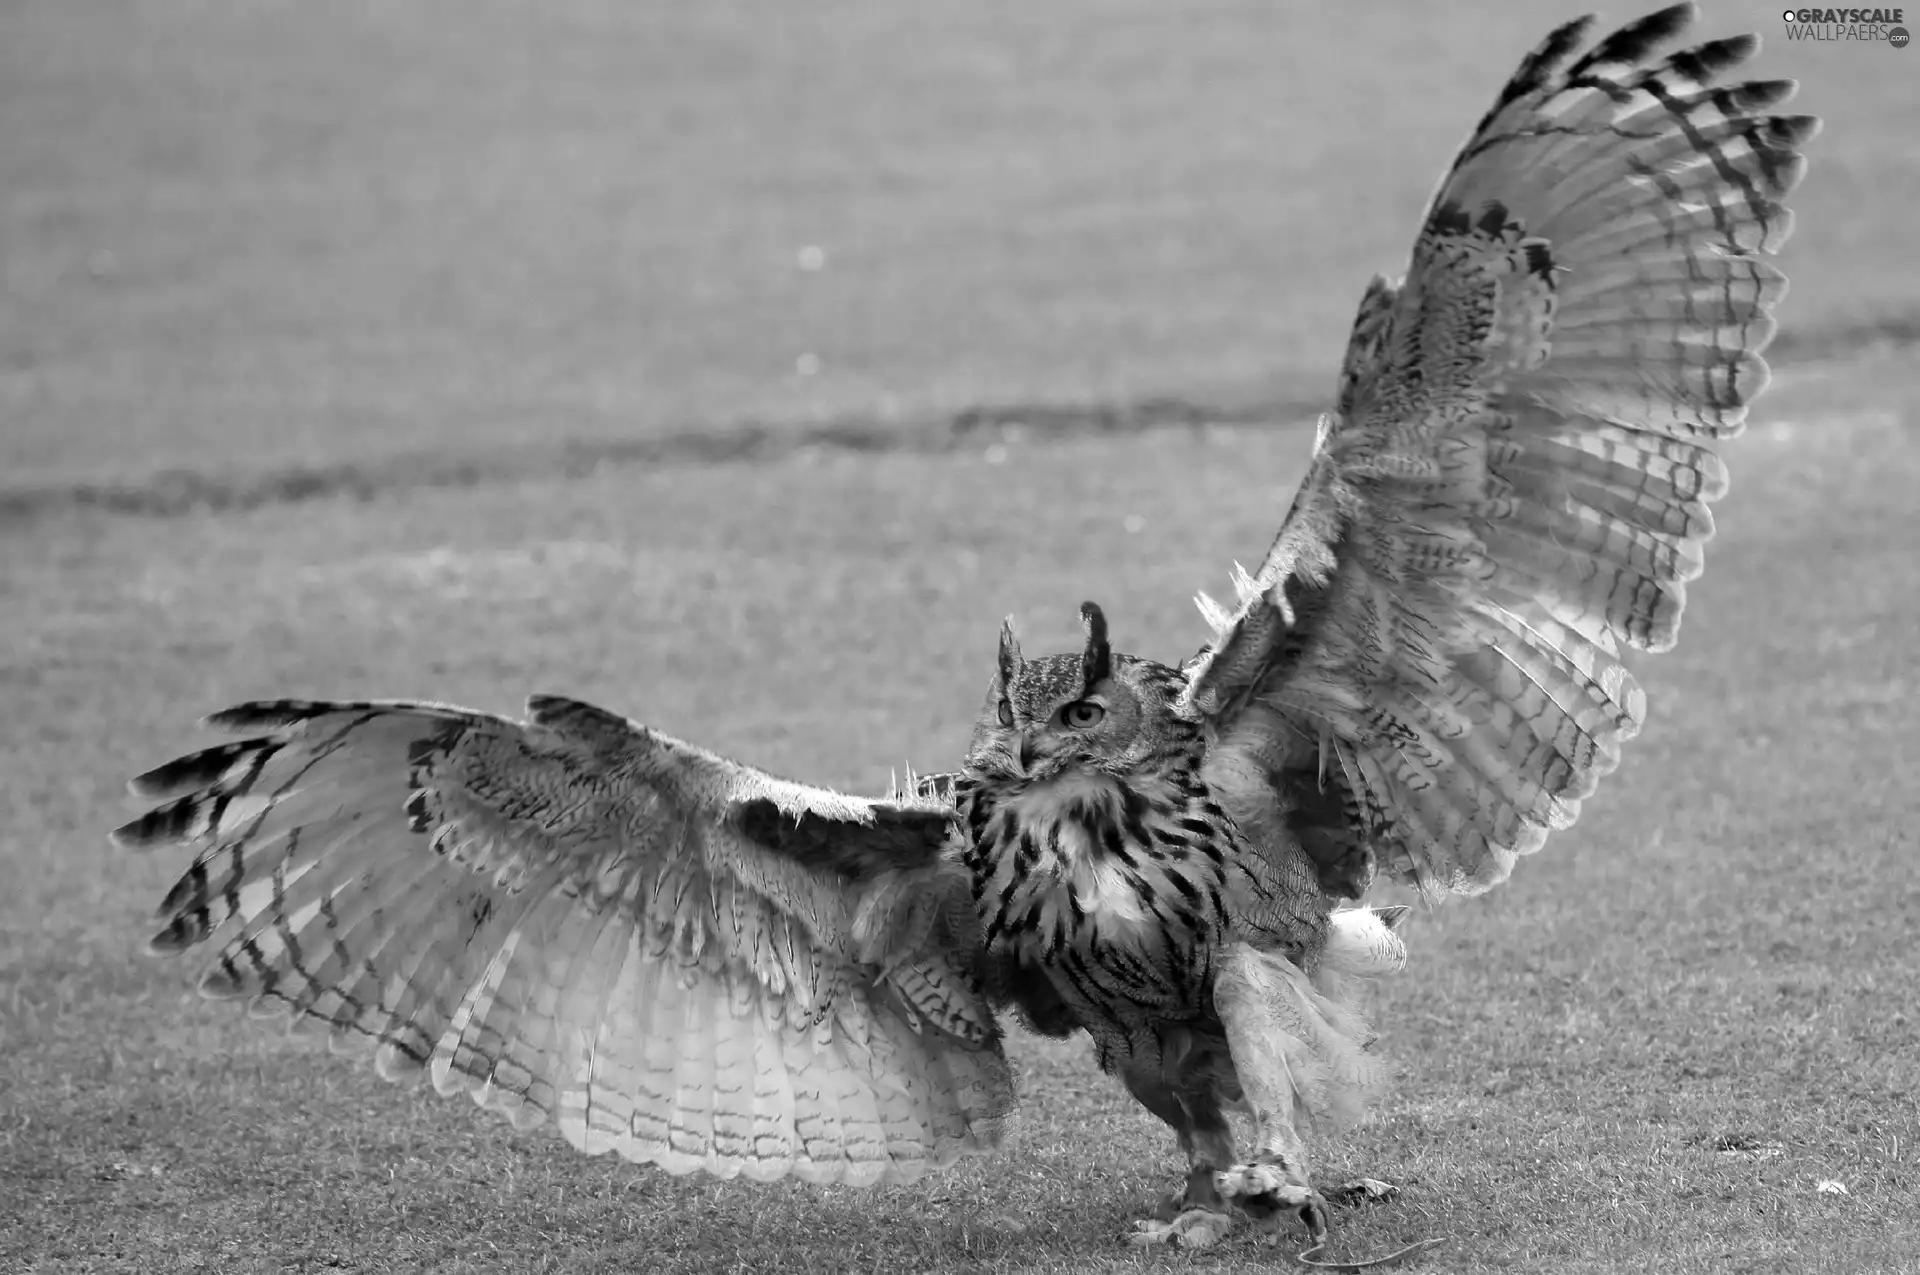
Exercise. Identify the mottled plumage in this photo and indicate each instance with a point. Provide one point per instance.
(689, 962)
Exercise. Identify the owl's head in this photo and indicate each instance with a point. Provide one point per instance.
(1092, 710)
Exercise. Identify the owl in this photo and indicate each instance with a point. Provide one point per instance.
(679, 958)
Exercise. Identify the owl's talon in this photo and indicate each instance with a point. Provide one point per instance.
(1266, 1192)
(1195, 1228)
(1313, 1216)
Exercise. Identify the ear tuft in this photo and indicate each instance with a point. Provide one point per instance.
(1096, 663)
(1011, 661)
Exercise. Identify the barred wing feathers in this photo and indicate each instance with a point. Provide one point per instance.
(1426, 667)
(676, 957)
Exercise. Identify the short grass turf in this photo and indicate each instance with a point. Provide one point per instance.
(1718, 956)
(284, 237)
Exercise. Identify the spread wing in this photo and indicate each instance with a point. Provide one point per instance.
(674, 956)
(1515, 486)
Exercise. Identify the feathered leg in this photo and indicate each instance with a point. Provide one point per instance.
(1195, 1216)
(1299, 1050)
(1274, 1183)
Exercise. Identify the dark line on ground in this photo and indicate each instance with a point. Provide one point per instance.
(174, 492)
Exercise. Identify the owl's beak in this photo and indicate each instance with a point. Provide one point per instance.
(1012, 757)
(1008, 758)
(1016, 755)
(1037, 758)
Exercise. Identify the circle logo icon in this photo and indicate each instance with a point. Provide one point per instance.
(1788, 15)
(1898, 37)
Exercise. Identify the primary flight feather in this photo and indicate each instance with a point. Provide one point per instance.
(687, 961)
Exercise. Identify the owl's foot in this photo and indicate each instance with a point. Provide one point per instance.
(1271, 1191)
(1192, 1228)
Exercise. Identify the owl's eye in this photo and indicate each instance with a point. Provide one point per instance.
(1006, 713)
(1082, 713)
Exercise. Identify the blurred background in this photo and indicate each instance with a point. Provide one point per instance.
(243, 238)
(737, 366)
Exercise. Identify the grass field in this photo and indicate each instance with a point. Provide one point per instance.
(354, 349)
